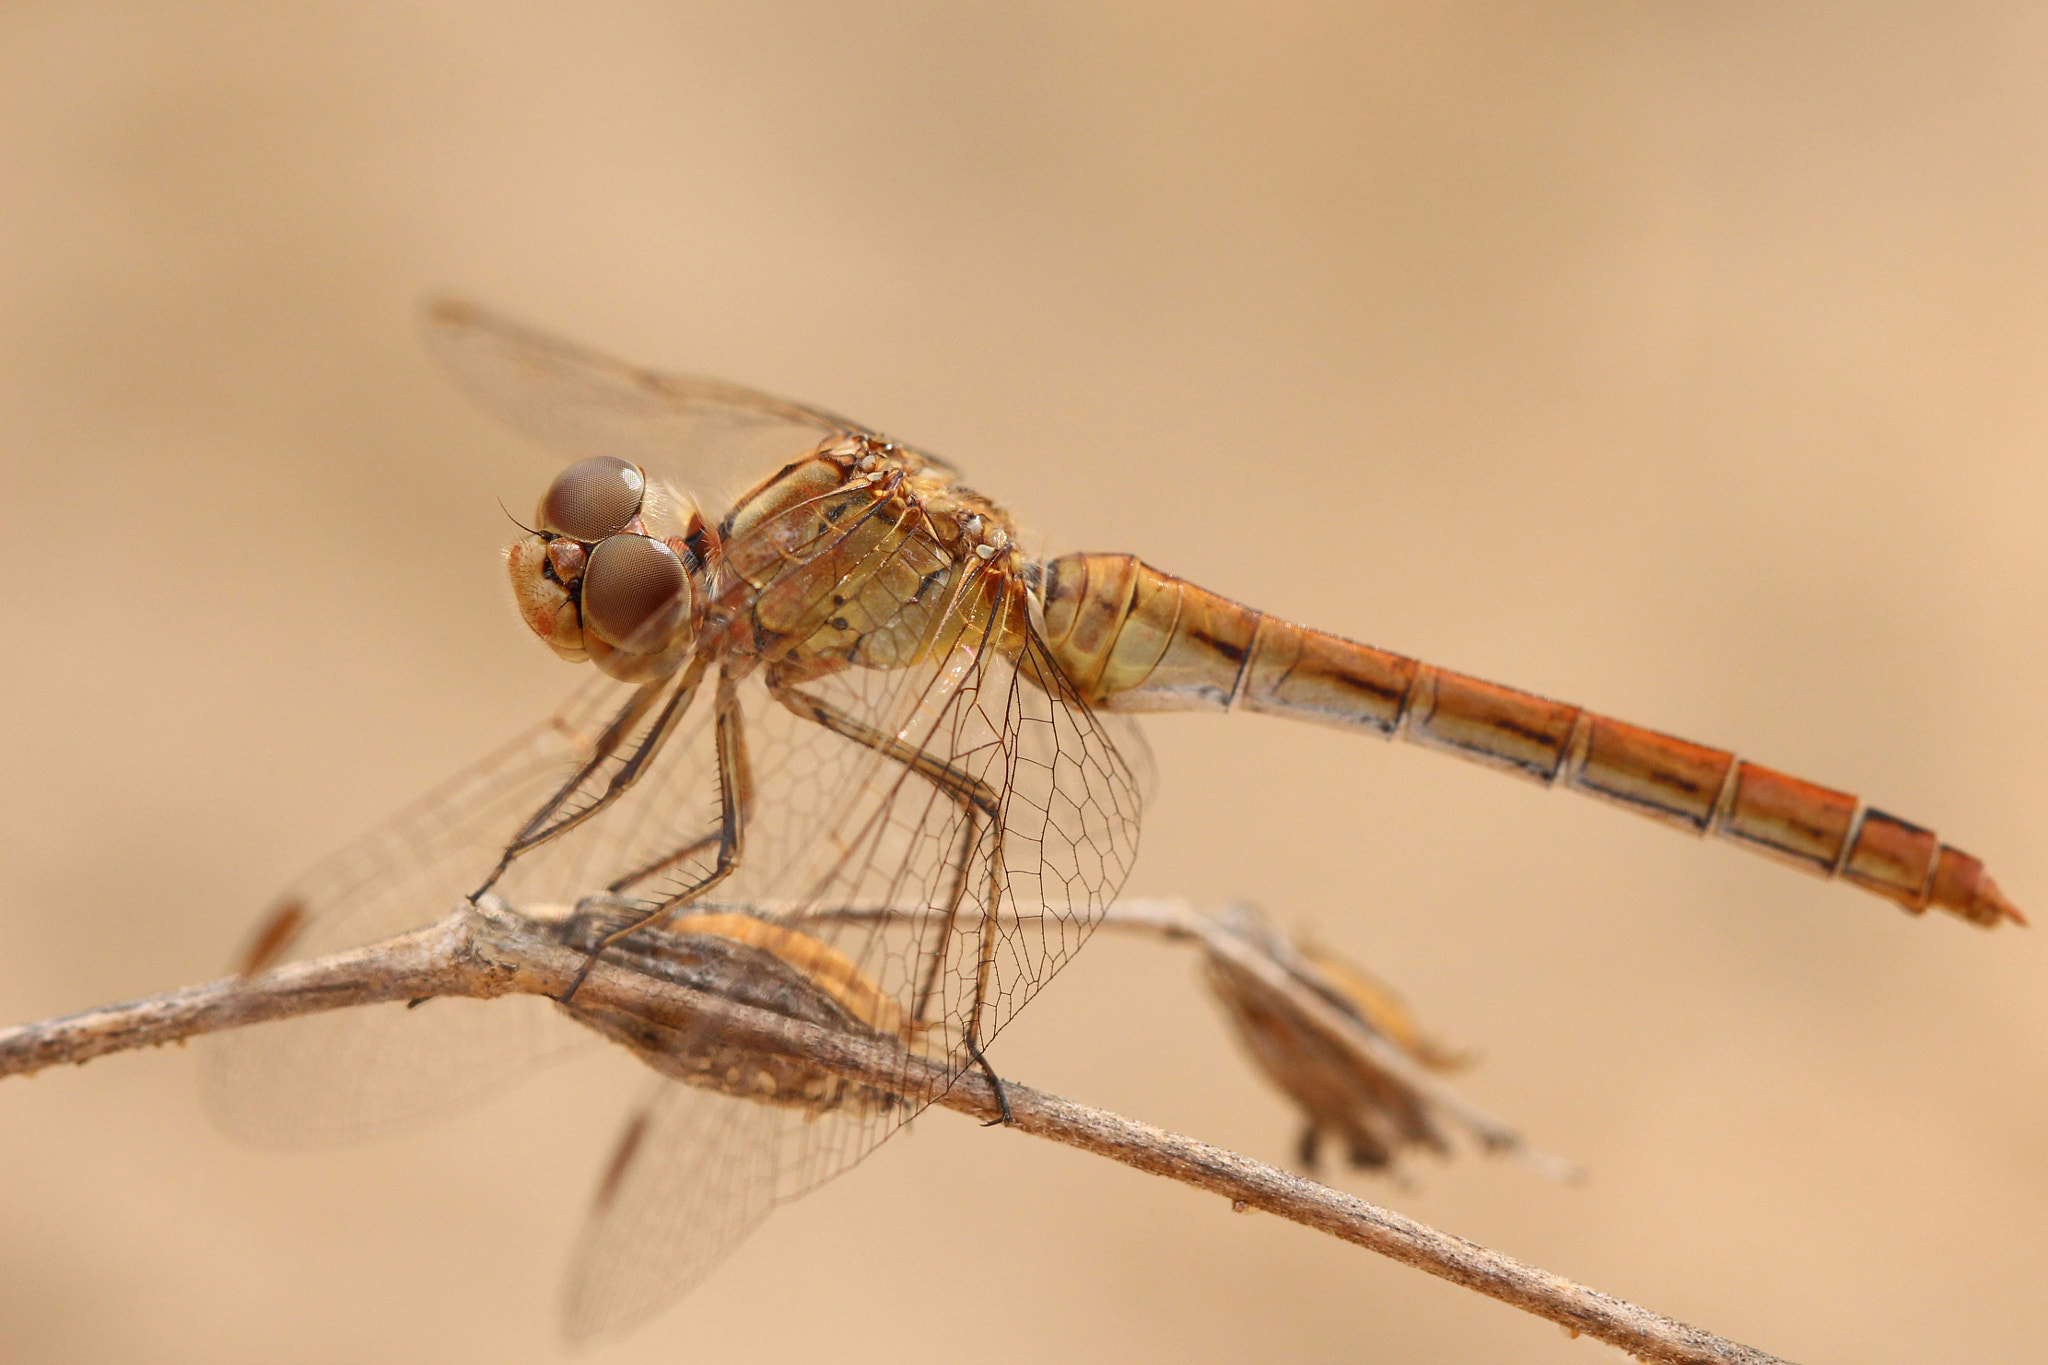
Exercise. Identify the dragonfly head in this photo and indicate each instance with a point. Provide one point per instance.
(596, 579)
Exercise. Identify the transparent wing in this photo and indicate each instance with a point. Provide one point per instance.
(954, 832)
(577, 402)
(357, 1072)
(694, 1173)
(989, 905)
(954, 827)
(1124, 735)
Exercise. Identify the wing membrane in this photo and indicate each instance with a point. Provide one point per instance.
(914, 884)
(580, 403)
(354, 1073)
(694, 1173)
(993, 790)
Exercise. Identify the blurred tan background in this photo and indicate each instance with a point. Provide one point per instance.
(1683, 362)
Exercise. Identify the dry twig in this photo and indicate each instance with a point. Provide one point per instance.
(483, 952)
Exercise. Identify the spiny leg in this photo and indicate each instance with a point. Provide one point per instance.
(661, 864)
(978, 801)
(984, 969)
(537, 831)
(734, 797)
(970, 834)
(742, 776)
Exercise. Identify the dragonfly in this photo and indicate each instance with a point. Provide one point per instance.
(848, 684)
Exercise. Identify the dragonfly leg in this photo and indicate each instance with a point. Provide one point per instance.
(734, 795)
(1003, 1119)
(970, 832)
(1308, 1148)
(982, 806)
(742, 779)
(549, 822)
(661, 864)
(963, 787)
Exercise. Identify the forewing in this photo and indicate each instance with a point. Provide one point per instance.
(708, 435)
(1000, 904)
(955, 830)
(355, 1072)
(955, 833)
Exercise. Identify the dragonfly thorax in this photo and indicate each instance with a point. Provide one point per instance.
(864, 554)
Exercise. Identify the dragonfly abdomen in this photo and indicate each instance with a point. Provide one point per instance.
(1135, 639)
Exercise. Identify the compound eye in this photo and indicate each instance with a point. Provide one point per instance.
(636, 595)
(593, 498)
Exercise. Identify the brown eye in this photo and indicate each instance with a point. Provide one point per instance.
(592, 499)
(635, 594)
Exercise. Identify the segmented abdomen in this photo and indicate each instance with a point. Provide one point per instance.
(1135, 639)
